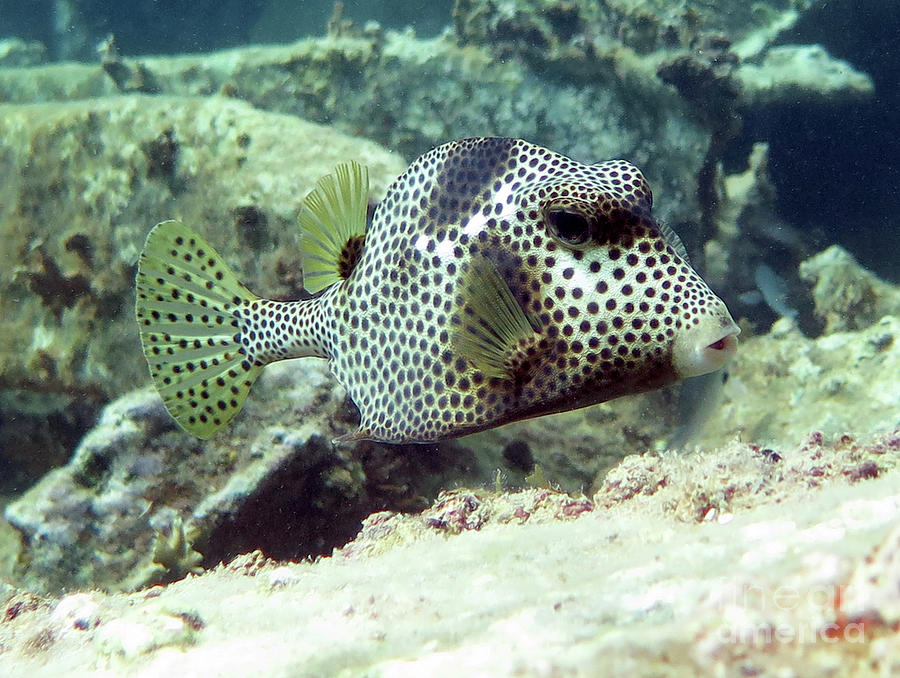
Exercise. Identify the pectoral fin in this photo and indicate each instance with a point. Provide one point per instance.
(493, 332)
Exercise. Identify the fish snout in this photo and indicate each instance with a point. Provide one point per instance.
(706, 346)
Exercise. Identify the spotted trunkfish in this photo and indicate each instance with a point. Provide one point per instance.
(497, 281)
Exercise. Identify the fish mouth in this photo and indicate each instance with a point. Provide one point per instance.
(693, 358)
(727, 344)
(719, 352)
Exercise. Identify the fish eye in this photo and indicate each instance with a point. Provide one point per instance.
(568, 226)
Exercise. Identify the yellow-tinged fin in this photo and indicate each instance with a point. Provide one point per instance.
(495, 334)
(333, 225)
(185, 308)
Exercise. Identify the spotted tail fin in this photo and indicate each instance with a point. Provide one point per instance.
(188, 313)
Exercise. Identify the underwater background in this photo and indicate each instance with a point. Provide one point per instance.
(768, 131)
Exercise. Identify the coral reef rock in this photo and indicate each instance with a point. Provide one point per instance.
(84, 182)
(15, 52)
(839, 382)
(846, 295)
(411, 94)
(802, 73)
(141, 500)
(742, 561)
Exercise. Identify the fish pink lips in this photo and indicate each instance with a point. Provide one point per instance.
(722, 350)
(728, 343)
(694, 354)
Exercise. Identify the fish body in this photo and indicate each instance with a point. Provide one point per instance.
(498, 281)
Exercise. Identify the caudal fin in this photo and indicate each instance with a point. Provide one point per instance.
(187, 309)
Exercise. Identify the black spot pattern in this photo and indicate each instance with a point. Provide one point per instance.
(205, 336)
(611, 303)
(275, 330)
(607, 309)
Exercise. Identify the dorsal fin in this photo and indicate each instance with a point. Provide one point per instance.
(494, 332)
(333, 225)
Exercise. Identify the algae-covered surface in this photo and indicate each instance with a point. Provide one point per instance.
(742, 523)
